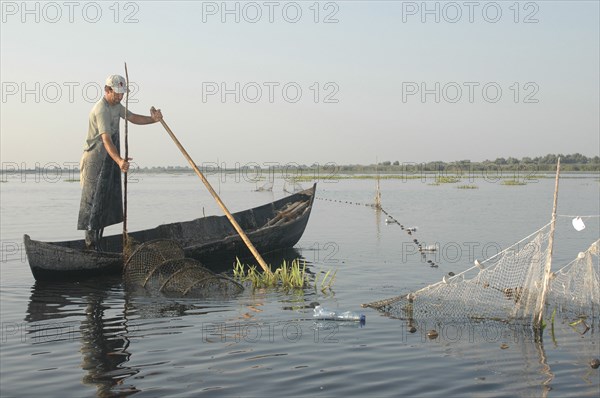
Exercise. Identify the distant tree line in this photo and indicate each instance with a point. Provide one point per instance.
(569, 163)
(547, 163)
(572, 162)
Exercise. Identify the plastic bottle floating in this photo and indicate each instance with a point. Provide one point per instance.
(330, 315)
(428, 248)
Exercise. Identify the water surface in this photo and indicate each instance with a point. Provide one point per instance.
(94, 338)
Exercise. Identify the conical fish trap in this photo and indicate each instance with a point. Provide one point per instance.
(147, 256)
(161, 266)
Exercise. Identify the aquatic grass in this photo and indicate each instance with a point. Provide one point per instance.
(288, 277)
(335, 177)
(72, 180)
(446, 180)
(535, 177)
(479, 174)
(513, 182)
(326, 285)
(467, 187)
(552, 333)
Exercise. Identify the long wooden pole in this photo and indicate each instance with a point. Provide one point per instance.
(235, 224)
(126, 159)
(548, 269)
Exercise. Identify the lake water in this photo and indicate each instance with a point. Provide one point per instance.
(93, 338)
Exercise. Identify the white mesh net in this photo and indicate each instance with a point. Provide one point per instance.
(507, 286)
(265, 187)
(575, 288)
(292, 186)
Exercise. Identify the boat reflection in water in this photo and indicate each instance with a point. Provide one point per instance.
(68, 311)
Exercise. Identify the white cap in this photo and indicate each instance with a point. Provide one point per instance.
(117, 83)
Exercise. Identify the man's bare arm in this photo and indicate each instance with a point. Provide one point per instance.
(155, 116)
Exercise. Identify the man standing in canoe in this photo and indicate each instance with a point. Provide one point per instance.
(101, 164)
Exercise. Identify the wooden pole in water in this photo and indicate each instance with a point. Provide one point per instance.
(235, 224)
(539, 316)
(378, 191)
(125, 243)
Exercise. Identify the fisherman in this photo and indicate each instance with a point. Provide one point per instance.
(101, 164)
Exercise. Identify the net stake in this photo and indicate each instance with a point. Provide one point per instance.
(548, 270)
(235, 224)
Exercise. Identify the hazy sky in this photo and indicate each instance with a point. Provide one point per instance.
(306, 82)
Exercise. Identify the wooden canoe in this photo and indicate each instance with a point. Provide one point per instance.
(211, 240)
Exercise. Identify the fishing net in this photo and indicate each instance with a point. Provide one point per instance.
(575, 288)
(507, 286)
(292, 186)
(160, 266)
(266, 187)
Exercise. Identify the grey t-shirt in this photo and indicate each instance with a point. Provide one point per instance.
(104, 118)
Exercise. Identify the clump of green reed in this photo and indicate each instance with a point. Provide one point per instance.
(326, 284)
(287, 276)
(513, 182)
(446, 180)
(467, 187)
(292, 276)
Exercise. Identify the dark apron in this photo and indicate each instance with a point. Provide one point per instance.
(101, 198)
